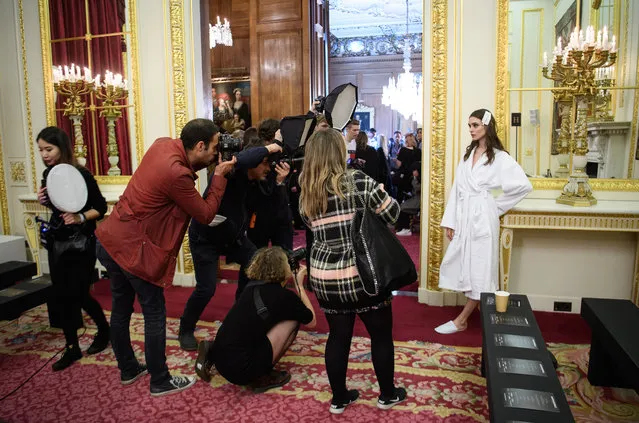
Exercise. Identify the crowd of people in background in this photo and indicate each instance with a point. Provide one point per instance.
(253, 201)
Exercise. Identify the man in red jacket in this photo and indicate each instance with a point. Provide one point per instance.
(139, 242)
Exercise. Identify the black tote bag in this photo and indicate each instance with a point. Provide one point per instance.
(382, 261)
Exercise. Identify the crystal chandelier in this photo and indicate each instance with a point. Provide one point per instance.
(405, 94)
(220, 33)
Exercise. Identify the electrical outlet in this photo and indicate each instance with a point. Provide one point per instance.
(562, 306)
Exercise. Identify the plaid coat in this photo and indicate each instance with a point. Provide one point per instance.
(333, 274)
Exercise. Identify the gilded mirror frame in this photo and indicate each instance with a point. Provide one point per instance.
(45, 39)
(502, 90)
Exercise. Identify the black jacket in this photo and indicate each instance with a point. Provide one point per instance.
(236, 204)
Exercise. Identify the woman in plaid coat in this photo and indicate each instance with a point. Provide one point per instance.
(330, 196)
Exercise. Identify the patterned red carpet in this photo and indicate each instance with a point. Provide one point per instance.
(443, 383)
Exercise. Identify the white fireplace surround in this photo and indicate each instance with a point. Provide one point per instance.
(609, 147)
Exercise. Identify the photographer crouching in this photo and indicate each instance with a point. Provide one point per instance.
(226, 234)
(261, 326)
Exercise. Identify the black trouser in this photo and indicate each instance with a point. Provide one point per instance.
(379, 324)
(124, 287)
(206, 256)
(403, 222)
(71, 276)
(278, 232)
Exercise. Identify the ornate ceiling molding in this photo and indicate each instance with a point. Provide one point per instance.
(372, 46)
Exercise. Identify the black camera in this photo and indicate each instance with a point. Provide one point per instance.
(229, 146)
(294, 258)
(321, 104)
(356, 164)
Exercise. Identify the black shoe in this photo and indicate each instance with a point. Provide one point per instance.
(338, 406)
(173, 385)
(100, 342)
(187, 338)
(71, 355)
(202, 364)
(398, 396)
(274, 379)
(129, 378)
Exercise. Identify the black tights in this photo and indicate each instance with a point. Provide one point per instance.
(379, 324)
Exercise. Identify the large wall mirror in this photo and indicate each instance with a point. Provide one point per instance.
(533, 28)
(102, 116)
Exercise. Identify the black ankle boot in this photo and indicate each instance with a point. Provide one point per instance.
(187, 338)
(71, 354)
(100, 342)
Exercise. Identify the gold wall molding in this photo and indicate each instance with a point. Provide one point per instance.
(27, 98)
(180, 108)
(502, 68)
(18, 172)
(439, 62)
(4, 201)
(45, 42)
(633, 130)
(556, 184)
(573, 221)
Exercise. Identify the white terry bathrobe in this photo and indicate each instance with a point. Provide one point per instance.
(471, 262)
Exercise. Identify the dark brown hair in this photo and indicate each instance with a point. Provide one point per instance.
(361, 141)
(492, 140)
(352, 122)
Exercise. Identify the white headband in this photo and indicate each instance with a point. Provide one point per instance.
(486, 119)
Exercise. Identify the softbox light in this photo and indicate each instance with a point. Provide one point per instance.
(296, 130)
(340, 106)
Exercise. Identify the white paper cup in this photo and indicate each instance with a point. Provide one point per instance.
(501, 301)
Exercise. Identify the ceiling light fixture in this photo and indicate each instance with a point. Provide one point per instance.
(405, 94)
(220, 33)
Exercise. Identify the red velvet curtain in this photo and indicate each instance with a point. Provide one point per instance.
(68, 20)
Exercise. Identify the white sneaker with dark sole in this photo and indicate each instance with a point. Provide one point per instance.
(387, 403)
(173, 385)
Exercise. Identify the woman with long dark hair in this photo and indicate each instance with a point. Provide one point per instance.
(471, 218)
(330, 196)
(71, 269)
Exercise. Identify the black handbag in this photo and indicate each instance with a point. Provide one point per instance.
(77, 242)
(383, 264)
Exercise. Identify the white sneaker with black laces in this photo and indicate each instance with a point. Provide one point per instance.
(173, 385)
(387, 403)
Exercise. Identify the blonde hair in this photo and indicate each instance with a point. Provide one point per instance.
(269, 265)
(323, 171)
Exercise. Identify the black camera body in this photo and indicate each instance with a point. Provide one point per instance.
(294, 258)
(319, 108)
(229, 146)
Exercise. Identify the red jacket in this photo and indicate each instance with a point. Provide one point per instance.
(144, 232)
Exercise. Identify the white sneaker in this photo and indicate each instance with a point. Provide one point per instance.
(404, 232)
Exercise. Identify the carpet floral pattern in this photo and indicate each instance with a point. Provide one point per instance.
(443, 383)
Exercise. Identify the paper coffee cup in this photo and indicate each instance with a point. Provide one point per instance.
(501, 301)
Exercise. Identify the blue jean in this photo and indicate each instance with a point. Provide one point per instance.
(206, 257)
(124, 287)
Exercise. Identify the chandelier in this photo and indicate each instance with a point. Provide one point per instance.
(405, 94)
(220, 33)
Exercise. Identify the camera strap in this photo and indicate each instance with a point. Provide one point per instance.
(262, 311)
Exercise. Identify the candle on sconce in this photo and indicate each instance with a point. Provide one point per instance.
(604, 42)
(613, 44)
(96, 82)
(545, 59)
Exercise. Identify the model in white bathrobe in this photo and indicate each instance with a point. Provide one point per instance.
(471, 262)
